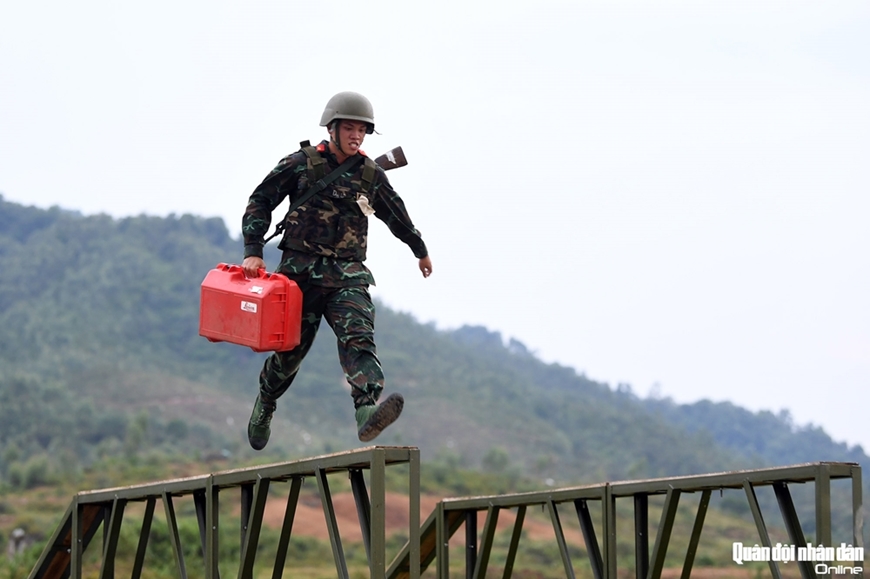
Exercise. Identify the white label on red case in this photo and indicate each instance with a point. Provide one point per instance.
(256, 289)
(249, 307)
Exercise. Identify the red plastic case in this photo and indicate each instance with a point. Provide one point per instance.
(263, 313)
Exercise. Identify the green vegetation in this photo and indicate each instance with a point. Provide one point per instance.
(101, 364)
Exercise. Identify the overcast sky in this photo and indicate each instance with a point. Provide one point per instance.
(673, 195)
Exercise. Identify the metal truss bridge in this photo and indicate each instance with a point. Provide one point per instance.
(429, 545)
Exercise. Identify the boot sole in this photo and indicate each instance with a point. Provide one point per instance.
(257, 443)
(387, 413)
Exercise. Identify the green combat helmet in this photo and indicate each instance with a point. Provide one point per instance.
(351, 106)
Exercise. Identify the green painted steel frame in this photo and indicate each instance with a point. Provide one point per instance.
(430, 542)
(62, 557)
(450, 514)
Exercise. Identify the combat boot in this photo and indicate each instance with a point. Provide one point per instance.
(258, 425)
(371, 420)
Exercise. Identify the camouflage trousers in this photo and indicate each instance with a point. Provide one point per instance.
(350, 313)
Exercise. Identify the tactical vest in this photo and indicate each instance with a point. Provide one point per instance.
(331, 223)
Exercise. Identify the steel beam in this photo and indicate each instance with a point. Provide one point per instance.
(823, 506)
(857, 508)
(414, 533)
(470, 543)
(695, 538)
(515, 541)
(112, 530)
(144, 533)
(759, 524)
(589, 538)
(442, 543)
(76, 547)
(486, 543)
(331, 523)
(792, 525)
(174, 539)
(641, 535)
(363, 509)
(560, 539)
(663, 536)
(378, 524)
(287, 527)
(253, 526)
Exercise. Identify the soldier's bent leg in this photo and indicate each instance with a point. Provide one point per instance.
(351, 314)
(281, 368)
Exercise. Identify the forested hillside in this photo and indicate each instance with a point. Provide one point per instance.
(99, 355)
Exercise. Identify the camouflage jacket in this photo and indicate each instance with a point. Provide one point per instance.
(325, 238)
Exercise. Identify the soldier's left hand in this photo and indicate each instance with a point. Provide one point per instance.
(426, 266)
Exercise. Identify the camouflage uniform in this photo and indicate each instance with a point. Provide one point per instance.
(324, 246)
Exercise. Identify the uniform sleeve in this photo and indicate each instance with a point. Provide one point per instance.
(390, 209)
(280, 182)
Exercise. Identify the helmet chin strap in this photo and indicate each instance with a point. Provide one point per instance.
(332, 138)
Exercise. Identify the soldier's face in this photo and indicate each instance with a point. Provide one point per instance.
(350, 135)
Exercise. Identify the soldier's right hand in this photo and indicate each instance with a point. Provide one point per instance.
(252, 265)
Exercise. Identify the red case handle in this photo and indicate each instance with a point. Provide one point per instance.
(237, 269)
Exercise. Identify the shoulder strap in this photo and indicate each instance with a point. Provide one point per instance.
(315, 188)
(368, 175)
(316, 162)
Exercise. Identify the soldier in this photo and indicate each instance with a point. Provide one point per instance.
(324, 246)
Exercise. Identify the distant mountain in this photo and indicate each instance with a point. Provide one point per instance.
(761, 438)
(100, 354)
